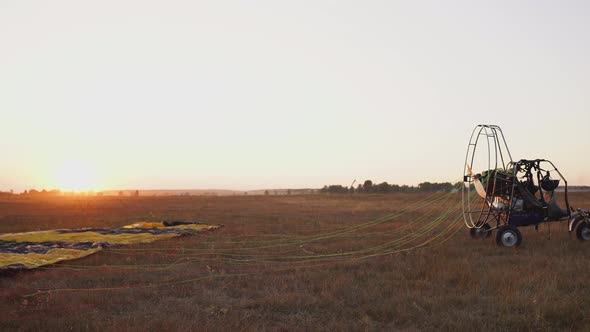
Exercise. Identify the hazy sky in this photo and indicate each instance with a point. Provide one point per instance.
(278, 94)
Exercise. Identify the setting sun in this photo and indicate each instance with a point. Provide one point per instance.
(76, 175)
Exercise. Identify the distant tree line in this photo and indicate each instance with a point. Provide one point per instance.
(42, 193)
(368, 187)
(31, 192)
(35, 192)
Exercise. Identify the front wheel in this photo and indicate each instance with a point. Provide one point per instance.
(508, 236)
(583, 231)
(482, 232)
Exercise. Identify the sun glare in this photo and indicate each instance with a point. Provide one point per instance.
(76, 176)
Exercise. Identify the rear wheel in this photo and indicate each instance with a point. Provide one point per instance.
(482, 232)
(583, 231)
(508, 236)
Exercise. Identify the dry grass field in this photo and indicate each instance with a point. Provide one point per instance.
(312, 262)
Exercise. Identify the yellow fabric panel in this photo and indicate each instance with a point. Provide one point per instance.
(90, 236)
(32, 260)
(145, 225)
(195, 227)
(161, 225)
(84, 237)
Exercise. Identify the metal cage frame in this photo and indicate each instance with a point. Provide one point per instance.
(503, 176)
(499, 157)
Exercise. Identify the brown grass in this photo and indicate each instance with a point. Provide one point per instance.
(461, 284)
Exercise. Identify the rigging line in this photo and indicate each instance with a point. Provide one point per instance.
(177, 282)
(224, 251)
(290, 259)
(314, 237)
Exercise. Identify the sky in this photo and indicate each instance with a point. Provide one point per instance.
(127, 94)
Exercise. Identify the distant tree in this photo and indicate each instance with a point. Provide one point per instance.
(121, 193)
(425, 186)
(266, 193)
(136, 193)
(383, 188)
(447, 186)
(351, 190)
(368, 186)
(337, 189)
(435, 187)
(288, 191)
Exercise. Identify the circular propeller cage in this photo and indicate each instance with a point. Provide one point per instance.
(487, 156)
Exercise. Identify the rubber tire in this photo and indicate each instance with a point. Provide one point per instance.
(582, 227)
(508, 229)
(481, 233)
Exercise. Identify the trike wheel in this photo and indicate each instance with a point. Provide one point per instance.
(483, 232)
(508, 236)
(583, 231)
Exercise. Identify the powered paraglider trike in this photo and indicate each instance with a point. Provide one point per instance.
(501, 194)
